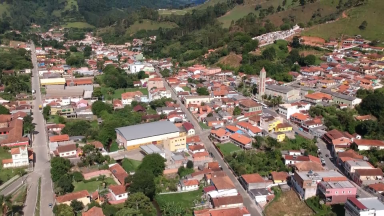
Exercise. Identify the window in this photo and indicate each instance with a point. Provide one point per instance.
(336, 192)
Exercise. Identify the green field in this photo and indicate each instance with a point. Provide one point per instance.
(4, 7)
(204, 126)
(228, 148)
(303, 14)
(186, 88)
(185, 200)
(92, 186)
(118, 92)
(130, 165)
(240, 11)
(167, 12)
(78, 25)
(148, 25)
(370, 12)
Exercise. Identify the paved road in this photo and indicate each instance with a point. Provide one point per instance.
(13, 186)
(40, 147)
(248, 202)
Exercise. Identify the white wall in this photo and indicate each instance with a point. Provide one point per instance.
(151, 139)
(68, 154)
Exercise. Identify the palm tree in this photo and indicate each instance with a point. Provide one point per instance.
(6, 204)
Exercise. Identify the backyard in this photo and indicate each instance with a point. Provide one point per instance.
(287, 204)
(6, 174)
(92, 185)
(117, 93)
(186, 88)
(228, 148)
(130, 165)
(204, 126)
(185, 200)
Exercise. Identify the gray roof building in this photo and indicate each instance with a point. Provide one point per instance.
(281, 89)
(147, 130)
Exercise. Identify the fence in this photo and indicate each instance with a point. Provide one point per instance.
(14, 178)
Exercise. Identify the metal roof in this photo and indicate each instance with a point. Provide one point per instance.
(151, 149)
(147, 130)
(281, 89)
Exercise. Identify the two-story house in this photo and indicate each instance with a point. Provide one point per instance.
(220, 135)
(250, 107)
(128, 97)
(336, 192)
(19, 158)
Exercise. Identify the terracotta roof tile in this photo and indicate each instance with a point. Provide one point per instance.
(118, 189)
(279, 175)
(94, 211)
(72, 196)
(59, 138)
(241, 139)
(369, 172)
(225, 201)
(119, 172)
(253, 178)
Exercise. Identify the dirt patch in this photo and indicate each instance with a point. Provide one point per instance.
(232, 60)
(307, 40)
(288, 204)
(344, 15)
(311, 52)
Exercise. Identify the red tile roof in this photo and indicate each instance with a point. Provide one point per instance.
(118, 189)
(377, 187)
(59, 138)
(369, 172)
(72, 196)
(94, 211)
(119, 173)
(252, 178)
(241, 139)
(190, 182)
(367, 142)
(193, 139)
(188, 126)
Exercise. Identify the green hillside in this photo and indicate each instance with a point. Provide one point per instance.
(148, 25)
(370, 12)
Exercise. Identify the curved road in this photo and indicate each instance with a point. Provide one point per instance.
(42, 158)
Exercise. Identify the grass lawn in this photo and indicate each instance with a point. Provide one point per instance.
(118, 92)
(185, 200)
(130, 165)
(228, 148)
(20, 195)
(371, 12)
(114, 147)
(78, 25)
(204, 126)
(167, 12)
(4, 7)
(92, 186)
(280, 53)
(43, 91)
(149, 25)
(54, 119)
(186, 88)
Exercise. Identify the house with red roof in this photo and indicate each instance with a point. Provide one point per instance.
(188, 185)
(189, 128)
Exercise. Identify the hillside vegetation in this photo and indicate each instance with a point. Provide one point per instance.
(371, 12)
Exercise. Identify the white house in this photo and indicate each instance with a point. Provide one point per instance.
(156, 94)
(260, 194)
(288, 109)
(66, 150)
(189, 128)
(19, 158)
(118, 192)
(136, 67)
(188, 185)
(196, 148)
(224, 187)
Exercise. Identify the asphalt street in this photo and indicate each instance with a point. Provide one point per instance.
(203, 134)
(42, 159)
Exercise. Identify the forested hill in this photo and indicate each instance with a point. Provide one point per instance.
(99, 13)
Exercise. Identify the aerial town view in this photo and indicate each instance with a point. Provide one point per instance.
(191, 108)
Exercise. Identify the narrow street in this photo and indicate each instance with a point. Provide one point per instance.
(203, 134)
(42, 159)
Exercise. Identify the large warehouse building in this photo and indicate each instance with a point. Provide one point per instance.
(132, 137)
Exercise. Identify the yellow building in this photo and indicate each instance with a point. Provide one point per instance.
(53, 81)
(176, 143)
(279, 136)
(283, 127)
(65, 111)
